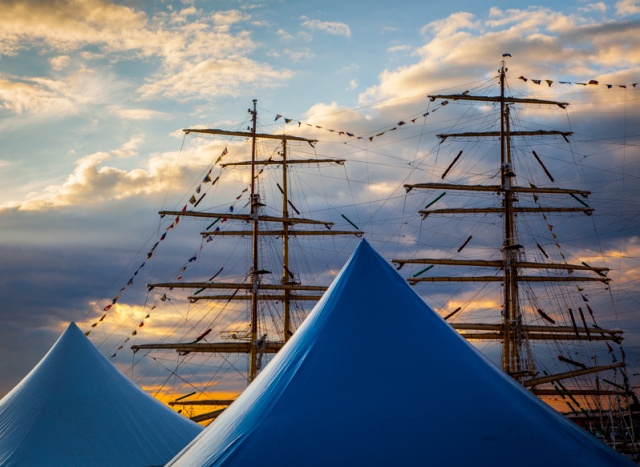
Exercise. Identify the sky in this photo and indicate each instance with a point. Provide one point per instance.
(94, 95)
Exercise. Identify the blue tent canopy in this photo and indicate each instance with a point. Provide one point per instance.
(375, 377)
(76, 409)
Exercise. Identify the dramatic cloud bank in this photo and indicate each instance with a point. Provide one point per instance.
(93, 95)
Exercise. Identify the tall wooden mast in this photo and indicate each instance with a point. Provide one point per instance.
(512, 332)
(286, 308)
(255, 279)
(288, 290)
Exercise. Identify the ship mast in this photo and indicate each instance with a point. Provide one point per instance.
(286, 309)
(255, 279)
(511, 331)
(510, 312)
(289, 289)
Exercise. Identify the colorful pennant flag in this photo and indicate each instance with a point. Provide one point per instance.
(591, 82)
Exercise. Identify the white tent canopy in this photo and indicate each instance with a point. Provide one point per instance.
(76, 408)
(375, 377)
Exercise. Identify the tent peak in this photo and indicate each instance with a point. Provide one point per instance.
(76, 408)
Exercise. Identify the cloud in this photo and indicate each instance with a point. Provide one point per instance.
(398, 48)
(37, 95)
(299, 55)
(330, 27)
(71, 94)
(186, 53)
(128, 149)
(541, 41)
(91, 181)
(59, 62)
(94, 180)
(182, 16)
(450, 25)
(382, 189)
(231, 76)
(140, 114)
(597, 7)
(230, 17)
(68, 25)
(628, 7)
(347, 69)
(284, 35)
(387, 29)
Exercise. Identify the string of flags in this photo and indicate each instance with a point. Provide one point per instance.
(580, 289)
(135, 332)
(163, 297)
(592, 82)
(233, 206)
(351, 134)
(194, 201)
